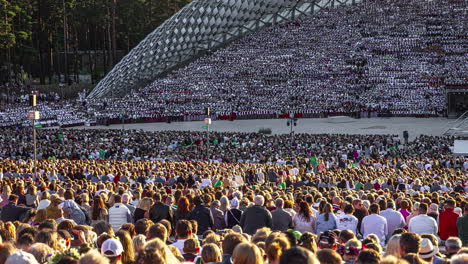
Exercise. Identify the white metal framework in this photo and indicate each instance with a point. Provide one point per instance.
(201, 26)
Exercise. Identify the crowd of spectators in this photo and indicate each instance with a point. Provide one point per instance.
(314, 199)
(372, 59)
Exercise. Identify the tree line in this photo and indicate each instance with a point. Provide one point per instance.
(59, 40)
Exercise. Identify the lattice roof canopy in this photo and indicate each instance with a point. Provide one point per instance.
(201, 26)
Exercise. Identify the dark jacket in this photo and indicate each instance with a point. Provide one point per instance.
(12, 212)
(282, 220)
(255, 217)
(160, 211)
(203, 216)
(233, 217)
(218, 219)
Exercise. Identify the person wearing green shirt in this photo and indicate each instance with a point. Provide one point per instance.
(462, 225)
(219, 182)
(358, 185)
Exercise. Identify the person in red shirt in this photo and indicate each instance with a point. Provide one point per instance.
(448, 221)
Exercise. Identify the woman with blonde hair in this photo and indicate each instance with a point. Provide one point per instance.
(247, 253)
(53, 211)
(128, 254)
(393, 246)
(156, 251)
(139, 243)
(210, 253)
(143, 209)
(6, 191)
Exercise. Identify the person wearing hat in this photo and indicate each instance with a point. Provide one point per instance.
(427, 251)
(112, 249)
(327, 240)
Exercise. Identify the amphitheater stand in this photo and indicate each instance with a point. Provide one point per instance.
(458, 127)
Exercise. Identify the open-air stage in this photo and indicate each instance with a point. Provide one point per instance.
(334, 125)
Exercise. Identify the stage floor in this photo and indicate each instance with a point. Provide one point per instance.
(341, 125)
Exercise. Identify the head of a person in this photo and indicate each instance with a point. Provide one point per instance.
(393, 246)
(327, 240)
(156, 251)
(93, 256)
(183, 229)
(112, 249)
(192, 246)
(409, 243)
(210, 253)
(279, 203)
(450, 203)
(274, 249)
(453, 244)
(329, 256)
(142, 225)
(368, 256)
(308, 241)
(345, 236)
(139, 243)
(21, 257)
(128, 254)
(231, 241)
(374, 208)
(247, 253)
(157, 230)
(41, 252)
(13, 198)
(428, 250)
(259, 200)
(423, 208)
(298, 255)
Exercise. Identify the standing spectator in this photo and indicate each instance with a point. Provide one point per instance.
(256, 217)
(71, 209)
(448, 221)
(422, 223)
(233, 215)
(326, 220)
(347, 220)
(282, 220)
(126, 200)
(11, 211)
(304, 220)
(160, 211)
(119, 214)
(183, 209)
(202, 215)
(98, 211)
(218, 216)
(394, 218)
(375, 224)
(462, 225)
(183, 232)
(359, 212)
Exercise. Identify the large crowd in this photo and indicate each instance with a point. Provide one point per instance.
(376, 58)
(102, 196)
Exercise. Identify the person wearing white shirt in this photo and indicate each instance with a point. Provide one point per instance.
(422, 223)
(347, 220)
(375, 224)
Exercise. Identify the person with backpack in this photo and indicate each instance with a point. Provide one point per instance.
(233, 216)
(72, 210)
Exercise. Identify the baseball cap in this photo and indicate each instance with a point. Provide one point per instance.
(112, 245)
